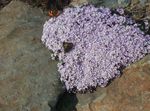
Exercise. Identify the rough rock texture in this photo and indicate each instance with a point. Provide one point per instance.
(130, 92)
(78, 2)
(108, 3)
(3, 3)
(138, 8)
(28, 78)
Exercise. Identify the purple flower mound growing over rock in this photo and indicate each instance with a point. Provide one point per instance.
(99, 44)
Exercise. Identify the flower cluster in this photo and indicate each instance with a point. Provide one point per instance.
(101, 43)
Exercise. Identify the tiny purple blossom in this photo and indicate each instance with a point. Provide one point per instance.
(120, 11)
(103, 43)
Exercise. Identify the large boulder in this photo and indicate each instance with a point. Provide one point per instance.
(130, 92)
(29, 80)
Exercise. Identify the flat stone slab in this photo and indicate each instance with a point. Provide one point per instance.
(29, 80)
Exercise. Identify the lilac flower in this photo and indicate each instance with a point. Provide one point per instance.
(120, 11)
(102, 43)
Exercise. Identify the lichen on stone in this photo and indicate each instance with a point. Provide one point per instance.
(102, 43)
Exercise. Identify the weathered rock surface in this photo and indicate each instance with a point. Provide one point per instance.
(107, 3)
(78, 2)
(130, 92)
(29, 80)
(138, 8)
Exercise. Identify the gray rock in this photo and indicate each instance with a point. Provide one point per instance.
(107, 3)
(78, 2)
(143, 2)
(29, 80)
(124, 3)
(111, 3)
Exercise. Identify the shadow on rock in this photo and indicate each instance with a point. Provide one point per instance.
(66, 102)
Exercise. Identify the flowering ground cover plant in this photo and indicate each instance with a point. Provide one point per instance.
(93, 45)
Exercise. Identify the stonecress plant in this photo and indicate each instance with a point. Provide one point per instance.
(93, 45)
